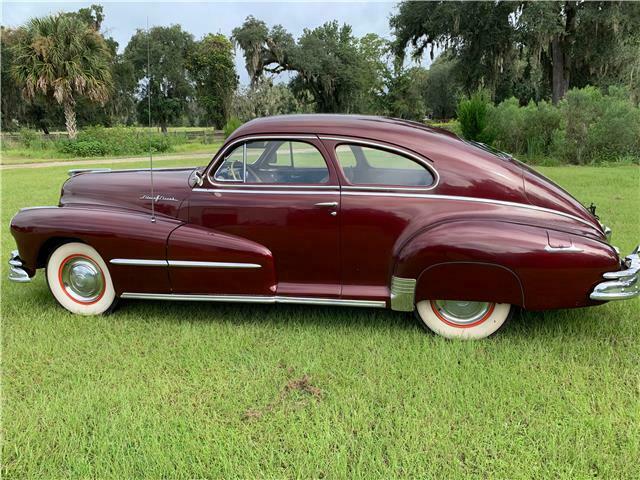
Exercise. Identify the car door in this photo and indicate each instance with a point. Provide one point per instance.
(282, 193)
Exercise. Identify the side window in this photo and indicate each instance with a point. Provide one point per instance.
(375, 166)
(274, 162)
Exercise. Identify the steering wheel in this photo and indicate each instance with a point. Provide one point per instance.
(234, 169)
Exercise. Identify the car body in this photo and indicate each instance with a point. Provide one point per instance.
(331, 209)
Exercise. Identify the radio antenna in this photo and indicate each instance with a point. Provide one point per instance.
(153, 195)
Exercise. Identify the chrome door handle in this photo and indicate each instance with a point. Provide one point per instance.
(326, 204)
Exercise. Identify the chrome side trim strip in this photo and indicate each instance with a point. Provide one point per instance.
(401, 151)
(190, 263)
(572, 248)
(354, 191)
(403, 294)
(138, 262)
(256, 299)
(335, 191)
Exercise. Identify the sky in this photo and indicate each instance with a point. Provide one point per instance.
(199, 18)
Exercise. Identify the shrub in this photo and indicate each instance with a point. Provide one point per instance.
(83, 148)
(598, 127)
(28, 137)
(232, 124)
(473, 115)
(505, 126)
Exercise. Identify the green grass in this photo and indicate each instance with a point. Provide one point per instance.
(209, 390)
(14, 156)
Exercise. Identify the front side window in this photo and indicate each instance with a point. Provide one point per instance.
(374, 166)
(274, 162)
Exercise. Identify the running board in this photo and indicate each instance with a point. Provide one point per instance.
(256, 299)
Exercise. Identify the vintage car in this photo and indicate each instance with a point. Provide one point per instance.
(329, 210)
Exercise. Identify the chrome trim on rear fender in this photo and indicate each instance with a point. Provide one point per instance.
(621, 284)
(403, 294)
(16, 272)
(256, 299)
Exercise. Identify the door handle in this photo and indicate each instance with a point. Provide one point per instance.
(326, 204)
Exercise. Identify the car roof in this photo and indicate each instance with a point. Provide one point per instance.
(392, 130)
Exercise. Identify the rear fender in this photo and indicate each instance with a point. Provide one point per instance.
(503, 262)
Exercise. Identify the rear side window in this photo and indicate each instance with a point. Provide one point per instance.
(375, 166)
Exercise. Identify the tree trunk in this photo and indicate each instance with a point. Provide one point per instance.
(70, 120)
(559, 82)
(163, 127)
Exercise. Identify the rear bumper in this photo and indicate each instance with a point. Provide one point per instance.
(16, 272)
(621, 284)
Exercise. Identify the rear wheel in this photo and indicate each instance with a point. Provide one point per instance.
(79, 279)
(463, 319)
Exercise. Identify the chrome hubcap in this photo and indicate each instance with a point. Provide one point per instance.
(82, 279)
(462, 312)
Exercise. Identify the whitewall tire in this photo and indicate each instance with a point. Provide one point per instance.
(463, 319)
(79, 279)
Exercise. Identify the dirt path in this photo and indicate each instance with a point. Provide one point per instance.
(107, 161)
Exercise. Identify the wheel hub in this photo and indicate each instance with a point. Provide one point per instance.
(462, 312)
(82, 279)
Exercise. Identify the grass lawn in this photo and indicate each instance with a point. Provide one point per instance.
(210, 390)
(14, 156)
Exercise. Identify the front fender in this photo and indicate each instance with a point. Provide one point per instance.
(113, 233)
(503, 262)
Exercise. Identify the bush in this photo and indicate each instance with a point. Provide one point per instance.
(28, 137)
(232, 124)
(83, 148)
(598, 127)
(526, 130)
(473, 117)
(100, 141)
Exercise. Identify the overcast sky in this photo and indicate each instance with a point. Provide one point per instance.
(123, 18)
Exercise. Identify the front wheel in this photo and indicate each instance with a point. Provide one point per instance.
(463, 319)
(79, 279)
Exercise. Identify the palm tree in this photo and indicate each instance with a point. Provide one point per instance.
(63, 58)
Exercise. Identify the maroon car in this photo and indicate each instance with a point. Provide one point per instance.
(329, 210)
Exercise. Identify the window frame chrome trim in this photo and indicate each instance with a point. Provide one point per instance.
(344, 302)
(425, 162)
(249, 138)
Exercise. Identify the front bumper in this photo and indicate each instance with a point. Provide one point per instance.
(622, 284)
(16, 272)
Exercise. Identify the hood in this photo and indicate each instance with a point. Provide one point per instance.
(130, 189)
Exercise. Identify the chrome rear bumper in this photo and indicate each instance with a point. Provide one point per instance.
(622, 284)
(16, 272)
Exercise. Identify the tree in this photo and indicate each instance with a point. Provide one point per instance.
(64, 59)
(168, 79)
(571, 43)
(441, 90)
(263, 98)
(405, 97)
(213, 70)
(333, 69)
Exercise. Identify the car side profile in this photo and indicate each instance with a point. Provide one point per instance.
(329, 210)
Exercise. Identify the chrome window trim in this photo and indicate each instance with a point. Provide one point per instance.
(400, 151)
(257, 299)
(138, 262)
(352, 191)
(249, 138)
